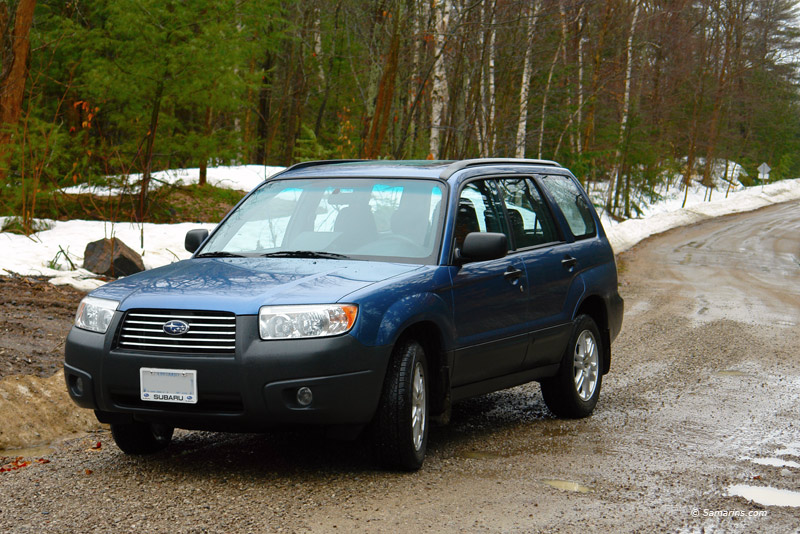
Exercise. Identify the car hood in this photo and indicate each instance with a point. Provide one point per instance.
(243, 285)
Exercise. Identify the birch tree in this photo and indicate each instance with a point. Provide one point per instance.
(626, 101)
(487, 133)
(531, 15)
(439, 90)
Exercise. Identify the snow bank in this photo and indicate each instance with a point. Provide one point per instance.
(58, 252)
(627, 233)
(240, 178)
(43, 254)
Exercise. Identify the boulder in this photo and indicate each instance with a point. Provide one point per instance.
(111, 257)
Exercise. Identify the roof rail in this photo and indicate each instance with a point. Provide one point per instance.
(304, 164)
(463, 164)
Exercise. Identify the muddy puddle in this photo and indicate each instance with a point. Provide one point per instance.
(31, 452)
(766, 496)
(566, 485)
(732, 372)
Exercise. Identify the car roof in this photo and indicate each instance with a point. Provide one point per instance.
(428, 169)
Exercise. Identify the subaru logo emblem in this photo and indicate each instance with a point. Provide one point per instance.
(176, 327)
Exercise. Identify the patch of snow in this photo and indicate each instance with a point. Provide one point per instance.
(43, 254)
(239, 178)
(46, 253)
(793, 449)
(775, 462)
(624, 235)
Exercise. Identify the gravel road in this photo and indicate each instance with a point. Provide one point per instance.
(701, 405)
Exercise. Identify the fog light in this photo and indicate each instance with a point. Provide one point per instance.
(304, 396)
(77, 386)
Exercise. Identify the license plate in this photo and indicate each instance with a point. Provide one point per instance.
(168, 385)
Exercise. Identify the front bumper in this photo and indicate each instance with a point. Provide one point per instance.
(252, 390)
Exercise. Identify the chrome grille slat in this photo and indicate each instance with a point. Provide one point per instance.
(214, 348)
(211, 332)
(160, 316)
(183, 338)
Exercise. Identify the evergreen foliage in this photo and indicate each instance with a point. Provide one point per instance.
(135, 86)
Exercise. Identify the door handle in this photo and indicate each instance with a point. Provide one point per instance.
(569, 262)
(512, 273)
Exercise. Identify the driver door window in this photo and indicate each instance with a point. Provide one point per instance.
(479, 210)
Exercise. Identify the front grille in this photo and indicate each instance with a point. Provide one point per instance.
(209, 331)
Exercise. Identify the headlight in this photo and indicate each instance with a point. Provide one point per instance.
(316, 320)
(95, 314)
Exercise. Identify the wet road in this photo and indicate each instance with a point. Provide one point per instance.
(701, 405)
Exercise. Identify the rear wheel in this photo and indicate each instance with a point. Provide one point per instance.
(141, 438)
(574, 391)
(400, 429)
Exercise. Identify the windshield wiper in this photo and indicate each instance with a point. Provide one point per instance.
(219, 254)
(305, 254)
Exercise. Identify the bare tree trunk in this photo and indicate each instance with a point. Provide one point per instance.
(203, 174)
(264, 110)
(588, 132)
(579, 117)
(626, 101)
(15, 23)
(441, 16)
(687, 177)
(524, 90)
(148, 153)
(383, 100)
(736, 10)
(563, 18)
(544, 97)
(487, 85)
(419, 14)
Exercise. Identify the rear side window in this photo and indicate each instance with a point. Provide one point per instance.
(573, 205)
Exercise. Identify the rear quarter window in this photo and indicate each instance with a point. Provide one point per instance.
(573, 205)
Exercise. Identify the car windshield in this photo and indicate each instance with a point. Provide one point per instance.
(358, 218)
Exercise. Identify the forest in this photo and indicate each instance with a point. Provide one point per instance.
(626, 93)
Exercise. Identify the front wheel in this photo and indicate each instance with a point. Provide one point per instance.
(400, 429)
(574, 391)
(141, 438)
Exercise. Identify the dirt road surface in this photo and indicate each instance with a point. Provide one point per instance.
(701, 406)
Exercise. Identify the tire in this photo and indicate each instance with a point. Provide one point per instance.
(574, 391)
(400, 428)
(141, 438)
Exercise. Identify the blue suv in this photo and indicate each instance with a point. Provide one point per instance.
(359, 296)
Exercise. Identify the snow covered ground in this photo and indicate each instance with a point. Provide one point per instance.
(49, 252)
(241, 178)
(668, 213)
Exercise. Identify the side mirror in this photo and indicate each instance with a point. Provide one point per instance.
(194, 238)
(483, 246)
